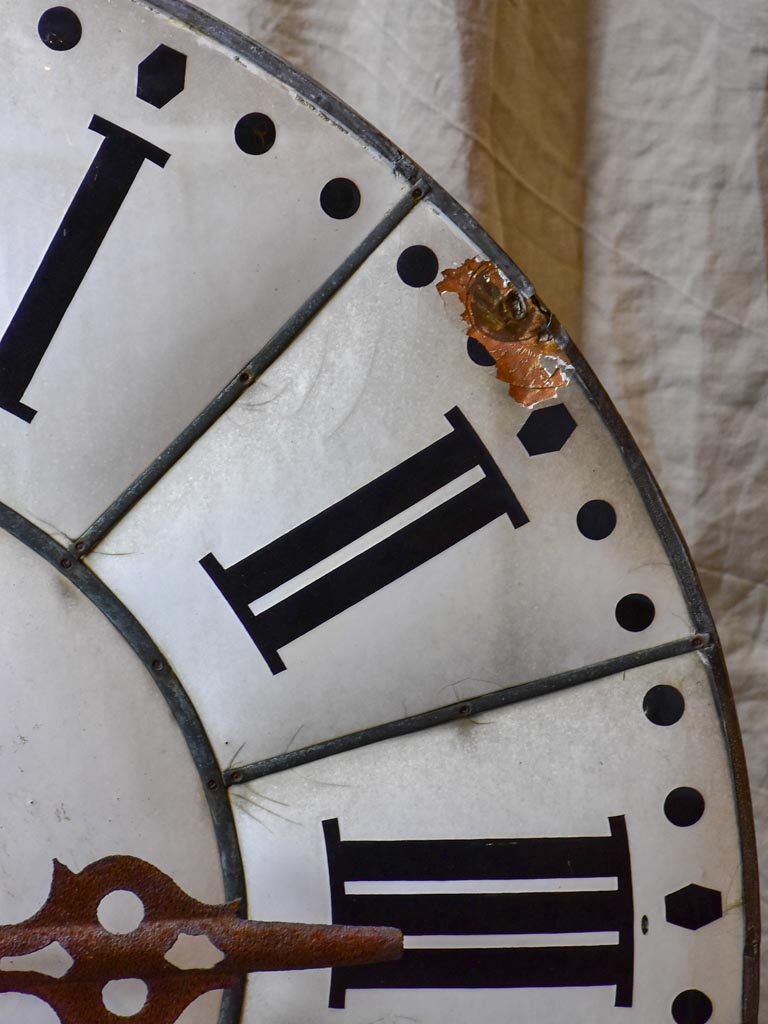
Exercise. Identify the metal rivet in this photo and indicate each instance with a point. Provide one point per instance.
(236, 777)
(157, 665)
(244, 377)
(212, 784)
(417, 193)
(699, 640)
(465, 709)
(66, 563)
(80, 546)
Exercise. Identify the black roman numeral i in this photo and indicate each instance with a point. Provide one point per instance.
(70, 254)
(351, 518)
(498, 913)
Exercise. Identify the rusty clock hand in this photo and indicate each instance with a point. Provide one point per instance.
(70, 917)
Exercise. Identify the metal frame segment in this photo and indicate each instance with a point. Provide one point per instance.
(276, 345)
(463, 709)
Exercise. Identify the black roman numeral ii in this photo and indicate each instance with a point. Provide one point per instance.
(70, 254)
(481, 913)
(354, 516)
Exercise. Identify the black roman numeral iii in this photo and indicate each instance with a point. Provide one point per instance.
(351, 518)
(70, 254)
(482, 913)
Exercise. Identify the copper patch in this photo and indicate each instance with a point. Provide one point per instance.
(517, 332)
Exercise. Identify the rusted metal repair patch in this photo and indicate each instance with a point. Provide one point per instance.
(517, 332)
(70, 918)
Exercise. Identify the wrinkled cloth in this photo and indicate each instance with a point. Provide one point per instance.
(619, 153)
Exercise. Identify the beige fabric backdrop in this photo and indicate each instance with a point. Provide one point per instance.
(619, 152)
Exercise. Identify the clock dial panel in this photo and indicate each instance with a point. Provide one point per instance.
(372, 530)
(425, 634)
(522, 793)
(167, 193)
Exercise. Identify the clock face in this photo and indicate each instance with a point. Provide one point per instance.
(332, 580)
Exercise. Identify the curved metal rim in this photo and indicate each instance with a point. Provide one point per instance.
(181, 706)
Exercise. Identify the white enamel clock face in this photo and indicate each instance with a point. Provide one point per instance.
(302, 603)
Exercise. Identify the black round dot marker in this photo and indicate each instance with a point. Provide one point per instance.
(684, 806)
(340, 198)
(255, 133)
(479, 354)
(596, 519)
(417, 266)
(635, 612)
(663, 705)
(691, 1007)
(60, 28)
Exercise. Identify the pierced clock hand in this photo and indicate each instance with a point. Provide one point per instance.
(69, 917)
